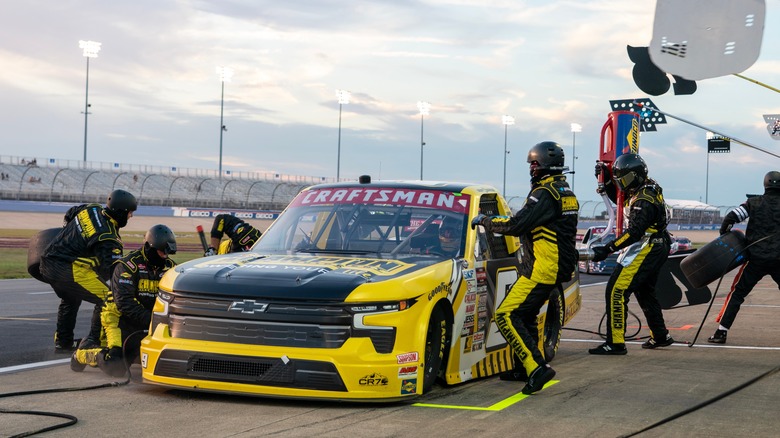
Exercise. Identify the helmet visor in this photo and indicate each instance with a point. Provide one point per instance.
(626, 181)
(170, 248)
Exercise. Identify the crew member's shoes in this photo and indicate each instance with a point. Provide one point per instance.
(652, 343)
(75, 364)
(87, 354)
(514, 375)
(61, 347)
(609, 349)
(538, 378)
(719, 337)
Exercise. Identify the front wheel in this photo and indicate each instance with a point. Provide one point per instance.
(553, 324)
(435, 348)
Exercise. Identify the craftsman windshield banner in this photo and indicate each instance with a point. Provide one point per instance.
(442, 200)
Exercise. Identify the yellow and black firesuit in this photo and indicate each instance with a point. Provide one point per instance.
(547, 227)
(241, 235)
(638, 267)
(79, 261)
(134, 287)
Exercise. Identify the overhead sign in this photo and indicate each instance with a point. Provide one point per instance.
(700, 39)
(648, 119)
(773, 125)
(718, 145)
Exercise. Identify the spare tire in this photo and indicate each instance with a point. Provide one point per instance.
(715, 259)
(38, 244)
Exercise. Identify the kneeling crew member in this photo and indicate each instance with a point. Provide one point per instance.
(241, 235)
(128, 309)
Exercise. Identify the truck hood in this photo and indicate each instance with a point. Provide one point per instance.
(286, 277)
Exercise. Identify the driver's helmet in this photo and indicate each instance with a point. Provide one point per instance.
(449, 235)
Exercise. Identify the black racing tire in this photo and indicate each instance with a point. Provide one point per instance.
(435, 348)
(553, 324)
(38, 244)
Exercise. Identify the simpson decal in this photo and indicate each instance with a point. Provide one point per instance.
(408, 357)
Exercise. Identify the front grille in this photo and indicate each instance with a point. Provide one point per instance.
(214, 307)
(275, 324)
(258, 332)
(303, 374)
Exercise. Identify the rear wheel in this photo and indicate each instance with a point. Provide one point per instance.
(435, 348)
(553, 324)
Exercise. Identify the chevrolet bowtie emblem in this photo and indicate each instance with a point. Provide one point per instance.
(248, 306)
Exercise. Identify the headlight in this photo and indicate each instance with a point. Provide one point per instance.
(382, 308)
(383, 337)
(160, 309)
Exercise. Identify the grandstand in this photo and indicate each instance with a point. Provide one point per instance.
(56, 180)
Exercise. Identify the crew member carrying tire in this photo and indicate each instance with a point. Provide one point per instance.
(78, 265)
(762, 237)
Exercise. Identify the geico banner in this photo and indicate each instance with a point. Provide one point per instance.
(205, 213)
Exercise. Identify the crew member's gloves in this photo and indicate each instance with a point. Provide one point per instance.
(725, 228)
(600, 253)
(600, 167)
(477, 220)
(112, 362)
(210, 252)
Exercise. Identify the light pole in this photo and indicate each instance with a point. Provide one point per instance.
(91, 49)
(225, 73)
(507, 120)
(425, 109)
(575, 128)
(343, 97)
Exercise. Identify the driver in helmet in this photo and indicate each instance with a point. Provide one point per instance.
(78, 263)
(547, 227)
(445, 240)
(128, 308)
(647, 219)
(450, 231)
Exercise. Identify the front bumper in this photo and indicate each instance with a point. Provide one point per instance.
(353, 371)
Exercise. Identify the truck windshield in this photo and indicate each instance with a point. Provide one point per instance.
(419, 223)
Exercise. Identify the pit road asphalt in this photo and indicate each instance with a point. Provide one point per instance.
(593, 396)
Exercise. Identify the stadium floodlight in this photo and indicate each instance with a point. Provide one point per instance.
(425, 109)
(575, 128)
(225, 74)
(91, 49)
(506, 120)
(343, 99)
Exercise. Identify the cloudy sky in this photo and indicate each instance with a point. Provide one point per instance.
(155, 95)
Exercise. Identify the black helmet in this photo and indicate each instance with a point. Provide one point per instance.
(772, 180)
(545, 157)
(450, 231)
(161, 237)
(121, 200)
(629, 171)
(120, 203)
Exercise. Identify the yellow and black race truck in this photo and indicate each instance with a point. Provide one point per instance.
(360, 290)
